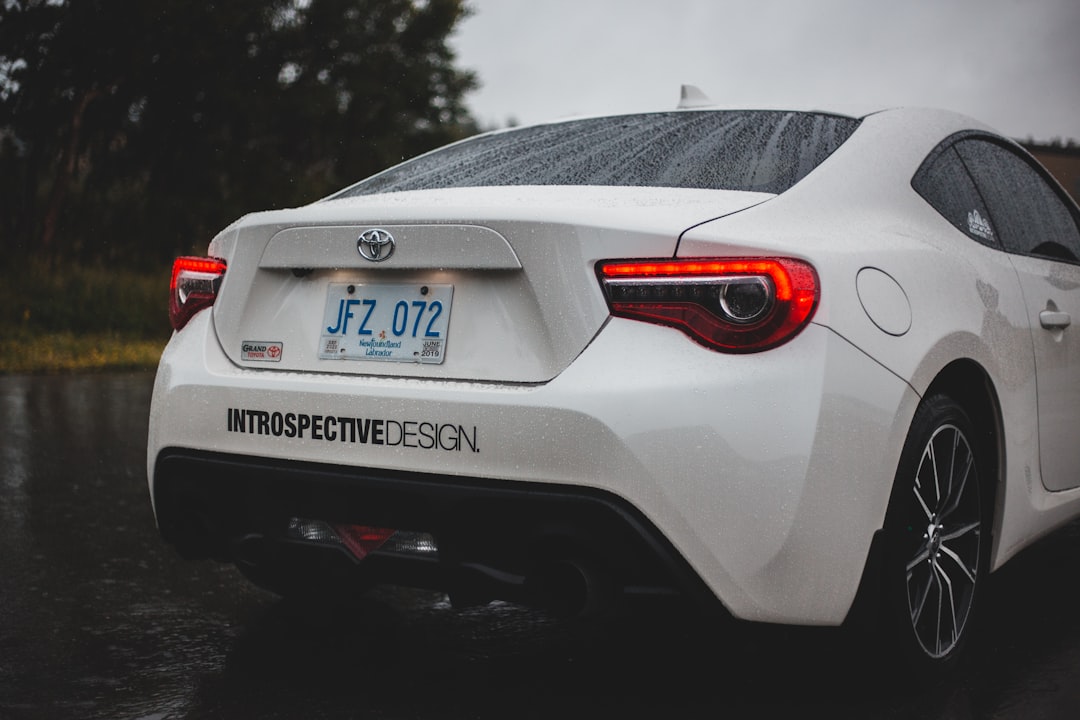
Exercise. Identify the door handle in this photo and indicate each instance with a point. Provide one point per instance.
(1053, 320)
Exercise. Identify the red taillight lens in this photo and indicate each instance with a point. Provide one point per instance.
(735, 305)
(194, 286)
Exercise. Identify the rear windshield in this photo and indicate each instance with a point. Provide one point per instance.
(763, 151)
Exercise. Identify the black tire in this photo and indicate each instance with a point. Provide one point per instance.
(937, 540)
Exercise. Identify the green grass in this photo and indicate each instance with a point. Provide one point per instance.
(70, 318)
(66, 352)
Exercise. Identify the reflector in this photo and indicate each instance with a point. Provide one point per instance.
(405, 542)
(312, 531)
(361, 539)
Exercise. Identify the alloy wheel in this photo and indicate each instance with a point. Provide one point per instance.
(945, 526)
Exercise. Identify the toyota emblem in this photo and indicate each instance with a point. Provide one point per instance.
(375, 245)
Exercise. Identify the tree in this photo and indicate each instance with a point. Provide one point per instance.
(133, 131)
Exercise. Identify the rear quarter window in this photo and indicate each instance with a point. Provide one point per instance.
(945, 184)
(1031, 215)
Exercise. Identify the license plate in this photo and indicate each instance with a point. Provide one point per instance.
(386, 322)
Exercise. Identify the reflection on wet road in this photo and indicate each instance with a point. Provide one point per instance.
(99, 619)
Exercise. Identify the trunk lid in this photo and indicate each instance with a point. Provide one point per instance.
(510, 268)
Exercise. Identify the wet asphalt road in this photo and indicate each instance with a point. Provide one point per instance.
(98, 619)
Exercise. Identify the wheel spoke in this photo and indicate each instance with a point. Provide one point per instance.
(922, 556)
(940, 602)
(960, 531)
(952, 606)
(918, 484)
(944, 500)
(922, 503)
(959, 563)
(954, 500)
(917, 611)
(937, 480)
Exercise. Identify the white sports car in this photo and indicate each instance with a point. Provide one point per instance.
(770, 360)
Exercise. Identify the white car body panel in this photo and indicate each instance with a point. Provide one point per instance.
(568, 431)
(1057, 352)
(987, 320)
(769, 473)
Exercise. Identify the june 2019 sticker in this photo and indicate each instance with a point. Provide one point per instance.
(261, 351)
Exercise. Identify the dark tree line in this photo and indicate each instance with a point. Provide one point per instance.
(131, 130)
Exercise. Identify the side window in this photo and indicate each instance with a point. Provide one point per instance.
(945, 184)
(1029, 215)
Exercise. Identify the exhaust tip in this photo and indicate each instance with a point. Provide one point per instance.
(569, 588)
(250, 551)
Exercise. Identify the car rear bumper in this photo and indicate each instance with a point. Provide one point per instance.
(764, 476)
(495, 539)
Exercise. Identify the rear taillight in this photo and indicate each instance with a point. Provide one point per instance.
(734, 305)
(194, 286)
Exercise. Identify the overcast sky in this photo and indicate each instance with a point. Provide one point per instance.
(1014, 65)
